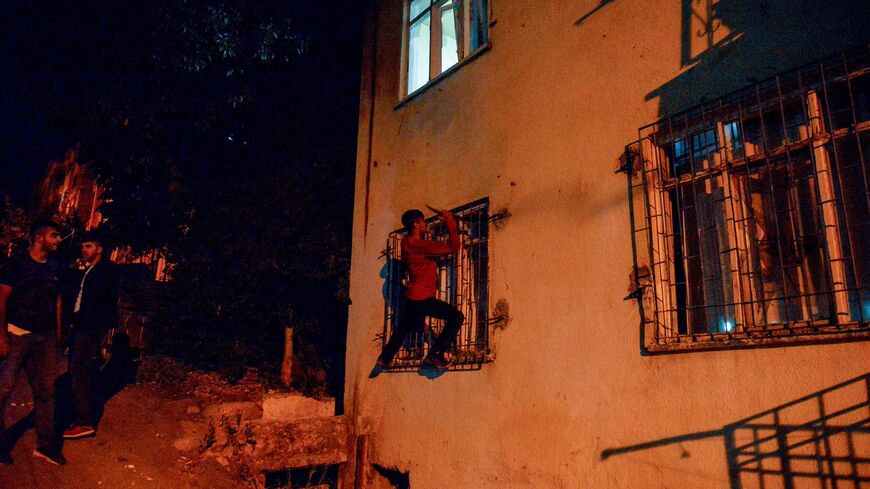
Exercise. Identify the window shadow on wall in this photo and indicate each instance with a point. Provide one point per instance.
(817, 441)
(728, 44)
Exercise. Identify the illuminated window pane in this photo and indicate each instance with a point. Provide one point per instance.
(733, 137)
(418, 53)
(417, 7)
(440, 33)
(449, 37)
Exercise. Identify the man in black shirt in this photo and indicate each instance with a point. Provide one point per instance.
(29, 325)
(94, 311)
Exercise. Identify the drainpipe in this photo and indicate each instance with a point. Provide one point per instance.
(372, 73)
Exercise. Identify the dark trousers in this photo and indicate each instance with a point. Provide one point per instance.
(84, 361)
(412, 320)
(37, 354)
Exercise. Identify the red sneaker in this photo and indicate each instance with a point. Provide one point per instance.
(79, 432)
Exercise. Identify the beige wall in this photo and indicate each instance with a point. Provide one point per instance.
(536, 124)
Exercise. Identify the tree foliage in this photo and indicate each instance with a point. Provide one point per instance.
(14, 224)
(223, 133)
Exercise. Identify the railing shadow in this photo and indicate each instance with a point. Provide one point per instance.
(821, 440)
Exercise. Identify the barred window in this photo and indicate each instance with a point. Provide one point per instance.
(751, 214)
(463, 280)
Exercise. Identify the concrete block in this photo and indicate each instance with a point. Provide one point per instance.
(249, 410)
(286, 407)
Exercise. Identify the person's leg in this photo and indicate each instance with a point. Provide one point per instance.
(409, 320)
(84, 357)
(453, 320)
(9, 368)
(41, 368)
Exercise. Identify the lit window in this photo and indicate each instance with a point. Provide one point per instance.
(437, 38)
(751, 215)
(463, 282)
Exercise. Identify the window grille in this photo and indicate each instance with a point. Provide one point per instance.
(314, 477)
(463, 279)
(751, 214)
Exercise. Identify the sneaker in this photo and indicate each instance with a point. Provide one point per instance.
(78, 432)
(378, 369)
(434, 366)
(430, 371)
(52, 456)
(5, 458)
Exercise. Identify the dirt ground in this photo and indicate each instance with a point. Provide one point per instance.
(133, 447)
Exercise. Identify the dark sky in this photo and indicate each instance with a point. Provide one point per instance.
(55, 51)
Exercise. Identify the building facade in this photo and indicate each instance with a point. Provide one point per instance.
(665, 270)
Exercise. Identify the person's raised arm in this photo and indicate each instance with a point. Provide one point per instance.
(452, 231)
(442, 248)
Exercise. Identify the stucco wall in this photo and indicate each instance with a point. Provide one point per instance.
(536, 124)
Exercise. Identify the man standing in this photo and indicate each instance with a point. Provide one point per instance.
(94, 311)
(29, 327)
(420, 257)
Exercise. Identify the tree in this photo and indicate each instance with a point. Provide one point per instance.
(223, 133)
(14, 224)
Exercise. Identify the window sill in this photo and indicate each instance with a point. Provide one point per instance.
(786, 336)
(472, 360)
(450, 71)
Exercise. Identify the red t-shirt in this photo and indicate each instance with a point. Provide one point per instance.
(420, 257)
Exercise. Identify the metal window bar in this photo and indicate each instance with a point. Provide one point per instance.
(463, 281)
(312, 477)
(751, 214)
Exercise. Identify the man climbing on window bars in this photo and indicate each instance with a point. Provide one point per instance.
(420, 258)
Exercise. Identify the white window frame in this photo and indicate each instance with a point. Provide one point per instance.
(464, 51)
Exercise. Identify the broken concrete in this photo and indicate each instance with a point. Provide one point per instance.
(305, 443)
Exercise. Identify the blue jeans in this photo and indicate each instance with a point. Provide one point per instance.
(36, 353)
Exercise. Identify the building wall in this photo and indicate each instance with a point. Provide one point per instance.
(537, 124)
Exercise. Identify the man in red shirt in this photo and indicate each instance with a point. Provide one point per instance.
(420, 257)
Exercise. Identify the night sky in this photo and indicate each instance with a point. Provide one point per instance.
(54, 52)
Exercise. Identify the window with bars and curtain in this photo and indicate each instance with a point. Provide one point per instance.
(751, 214)
(463, 282)
(440, 34)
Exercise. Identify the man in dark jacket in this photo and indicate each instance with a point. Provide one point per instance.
(94, 311)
